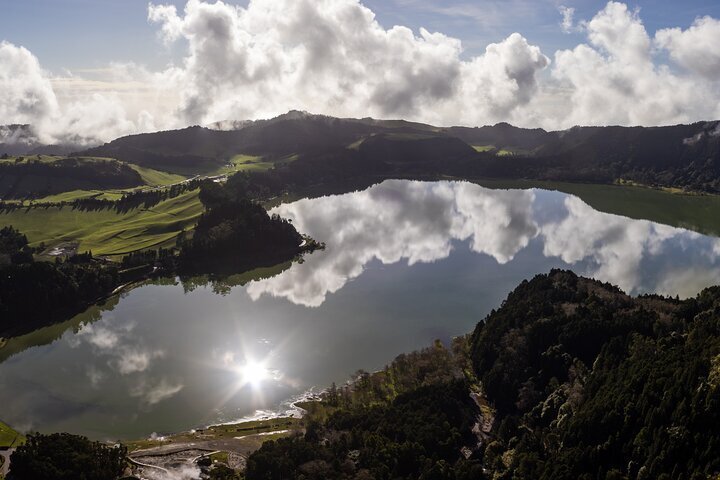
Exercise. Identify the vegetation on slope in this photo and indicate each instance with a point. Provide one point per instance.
(9, 437)
(61, 456)
(236, 234)
(410, 420)
(38, 177)
(591, 383)
(34, 293)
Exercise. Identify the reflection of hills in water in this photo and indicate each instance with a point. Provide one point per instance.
(223, 284)
(422, 222)
(220, 284)
(47, 335)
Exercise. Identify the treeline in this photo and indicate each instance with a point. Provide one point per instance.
(61, 456)
(335, 151)
(136, 199)
(341, 169)
(33, 178)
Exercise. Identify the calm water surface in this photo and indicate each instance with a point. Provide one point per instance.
(406, 263)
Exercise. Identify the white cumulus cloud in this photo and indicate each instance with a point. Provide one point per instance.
(26, 95)
(333, 57)
(615, 80)
(695, 48)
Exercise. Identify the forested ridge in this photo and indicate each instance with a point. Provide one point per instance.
(574, 380)
(334, 149)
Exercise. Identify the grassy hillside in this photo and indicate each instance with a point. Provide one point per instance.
(156, 177)
(106, 232)
(9, 437)
(244, 163)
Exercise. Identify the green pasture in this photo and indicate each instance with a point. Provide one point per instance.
(107, 232)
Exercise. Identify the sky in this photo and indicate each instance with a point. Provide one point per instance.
(91, 70)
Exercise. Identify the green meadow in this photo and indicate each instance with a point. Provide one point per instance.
(250, 163)
(107, 232)
(156, 178)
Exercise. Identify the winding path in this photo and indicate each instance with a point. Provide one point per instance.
(6, 464)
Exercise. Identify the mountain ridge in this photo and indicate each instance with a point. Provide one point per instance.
(678, 156)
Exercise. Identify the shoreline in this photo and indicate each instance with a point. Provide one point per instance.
(264, 423)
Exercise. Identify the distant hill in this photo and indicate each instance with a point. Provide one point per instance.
(682, 156)
(22, 140)
(17, 139)
(675, 156)
(504, 135)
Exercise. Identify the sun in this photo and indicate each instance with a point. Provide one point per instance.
(253, 373)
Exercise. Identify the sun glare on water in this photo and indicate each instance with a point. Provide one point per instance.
(253, 373)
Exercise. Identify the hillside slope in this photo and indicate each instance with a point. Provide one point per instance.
(38, 176)
(591, 383)
(682, 156)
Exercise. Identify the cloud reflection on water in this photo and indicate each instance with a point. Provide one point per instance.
(420, 222)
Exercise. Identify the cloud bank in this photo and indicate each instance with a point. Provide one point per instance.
(333, 57)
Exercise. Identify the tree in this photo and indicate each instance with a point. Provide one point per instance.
(221, 472)
(62, 456)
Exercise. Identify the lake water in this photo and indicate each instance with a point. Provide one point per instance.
(406, 263)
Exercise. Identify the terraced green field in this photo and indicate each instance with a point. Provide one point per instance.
(106, 232)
